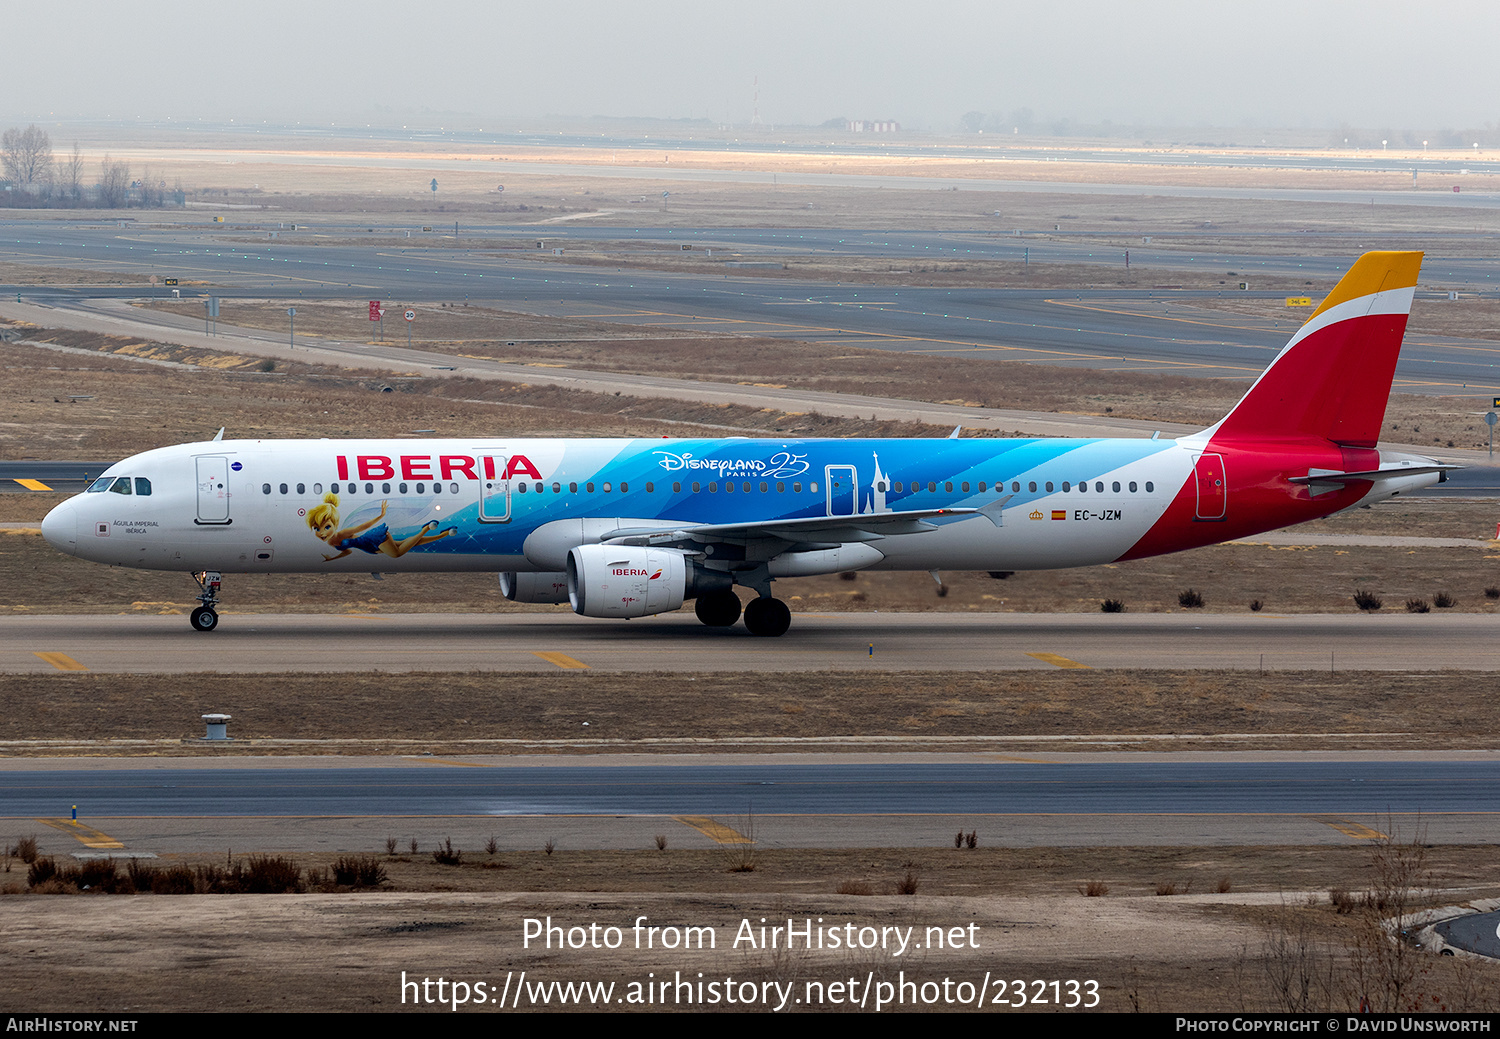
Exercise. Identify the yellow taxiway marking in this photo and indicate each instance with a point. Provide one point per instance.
(34, 485)
(714, 830)
(1057, 661)
(562, 660)
(61, 661)
(87, 835)
(1349, 829)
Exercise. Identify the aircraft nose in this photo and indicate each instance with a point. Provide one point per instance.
(60, 528)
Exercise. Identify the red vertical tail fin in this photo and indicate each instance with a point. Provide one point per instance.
(1332, 381)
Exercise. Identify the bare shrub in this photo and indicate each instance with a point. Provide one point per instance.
(267, 875)
(1256, 606)
(413, 845)
(972, 840)
(908, 884)
(390, 846)
(1112, 606)
(854, 887)
(25, 850)
(1443, 601)
(1299, 971)
(661, 842)
(1417, 606)
(958, 839)
(1189, 599)
(550, 846)
(1094, 889)
(1224, 886)
(1367, 600)
(491, 846)
(357, 871)
(446, 854)
(1492, 592)
(849, 575)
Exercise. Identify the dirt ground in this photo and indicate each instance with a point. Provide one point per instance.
(448, 714)
(1004, 914)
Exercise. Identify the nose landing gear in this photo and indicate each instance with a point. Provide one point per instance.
(205, 617)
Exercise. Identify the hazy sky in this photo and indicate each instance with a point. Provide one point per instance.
(1321, 63)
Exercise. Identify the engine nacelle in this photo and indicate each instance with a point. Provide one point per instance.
(629, 581)
(544, 588)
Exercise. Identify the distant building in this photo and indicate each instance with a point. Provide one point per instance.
(873, 126)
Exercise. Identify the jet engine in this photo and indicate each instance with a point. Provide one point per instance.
(628, 581)
(546, 588)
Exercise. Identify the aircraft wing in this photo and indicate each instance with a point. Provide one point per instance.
(817, 529)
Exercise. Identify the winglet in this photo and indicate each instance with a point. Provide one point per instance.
(1332, 381)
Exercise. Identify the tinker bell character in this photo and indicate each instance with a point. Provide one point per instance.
(367, 536)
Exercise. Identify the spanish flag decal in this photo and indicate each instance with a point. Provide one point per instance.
(1061, 514)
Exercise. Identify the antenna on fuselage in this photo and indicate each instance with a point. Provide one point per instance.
(220, 434)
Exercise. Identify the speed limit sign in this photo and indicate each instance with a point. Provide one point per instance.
(411, 315)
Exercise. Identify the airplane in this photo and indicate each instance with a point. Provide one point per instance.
(636, 527)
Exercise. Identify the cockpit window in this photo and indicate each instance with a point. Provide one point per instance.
(142, 485)
(101, 484)
(121, 485)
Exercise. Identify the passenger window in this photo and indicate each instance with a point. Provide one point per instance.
(676, 486)
(421, 488)
(966, 486)
(763, 487)
(302, 488)
(1049, 486)
(521, 487)
(813, 487)
(898, 486)
(572, 488)
(981, 486)
(142, 485)
(624, 488)
(746, 487)
(1132, 486)
(728, 487)
(452, 488)
(796, 488)
(606, 488)
(695, 486)
(317, 488)
(283, 488)
(401, 487)
(1066, 486)
(369, 488)
(650, 487)
(948, 486)
(1149, 488)
(385, 488)
(589, 487)
(1016, 487)
(1099, 486)
(265, 488)
(1083, 486)
(557, 488)
(1116, 485)
(1031, 486)
(713, 488)
(780, 487)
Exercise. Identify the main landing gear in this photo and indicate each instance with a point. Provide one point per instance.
(763, 616)
(205, 617)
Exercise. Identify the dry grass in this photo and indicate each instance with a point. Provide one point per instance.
(458, 713)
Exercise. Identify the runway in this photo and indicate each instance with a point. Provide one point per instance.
(1152, 330)
(677, 643)
(913, 800)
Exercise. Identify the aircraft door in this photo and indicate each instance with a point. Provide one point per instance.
(494, 489)
(843, 489)
(213, 490)
(1213, 489)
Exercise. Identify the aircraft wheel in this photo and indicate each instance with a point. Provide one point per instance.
(718, 609)
(769, 617)
(204, 619)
